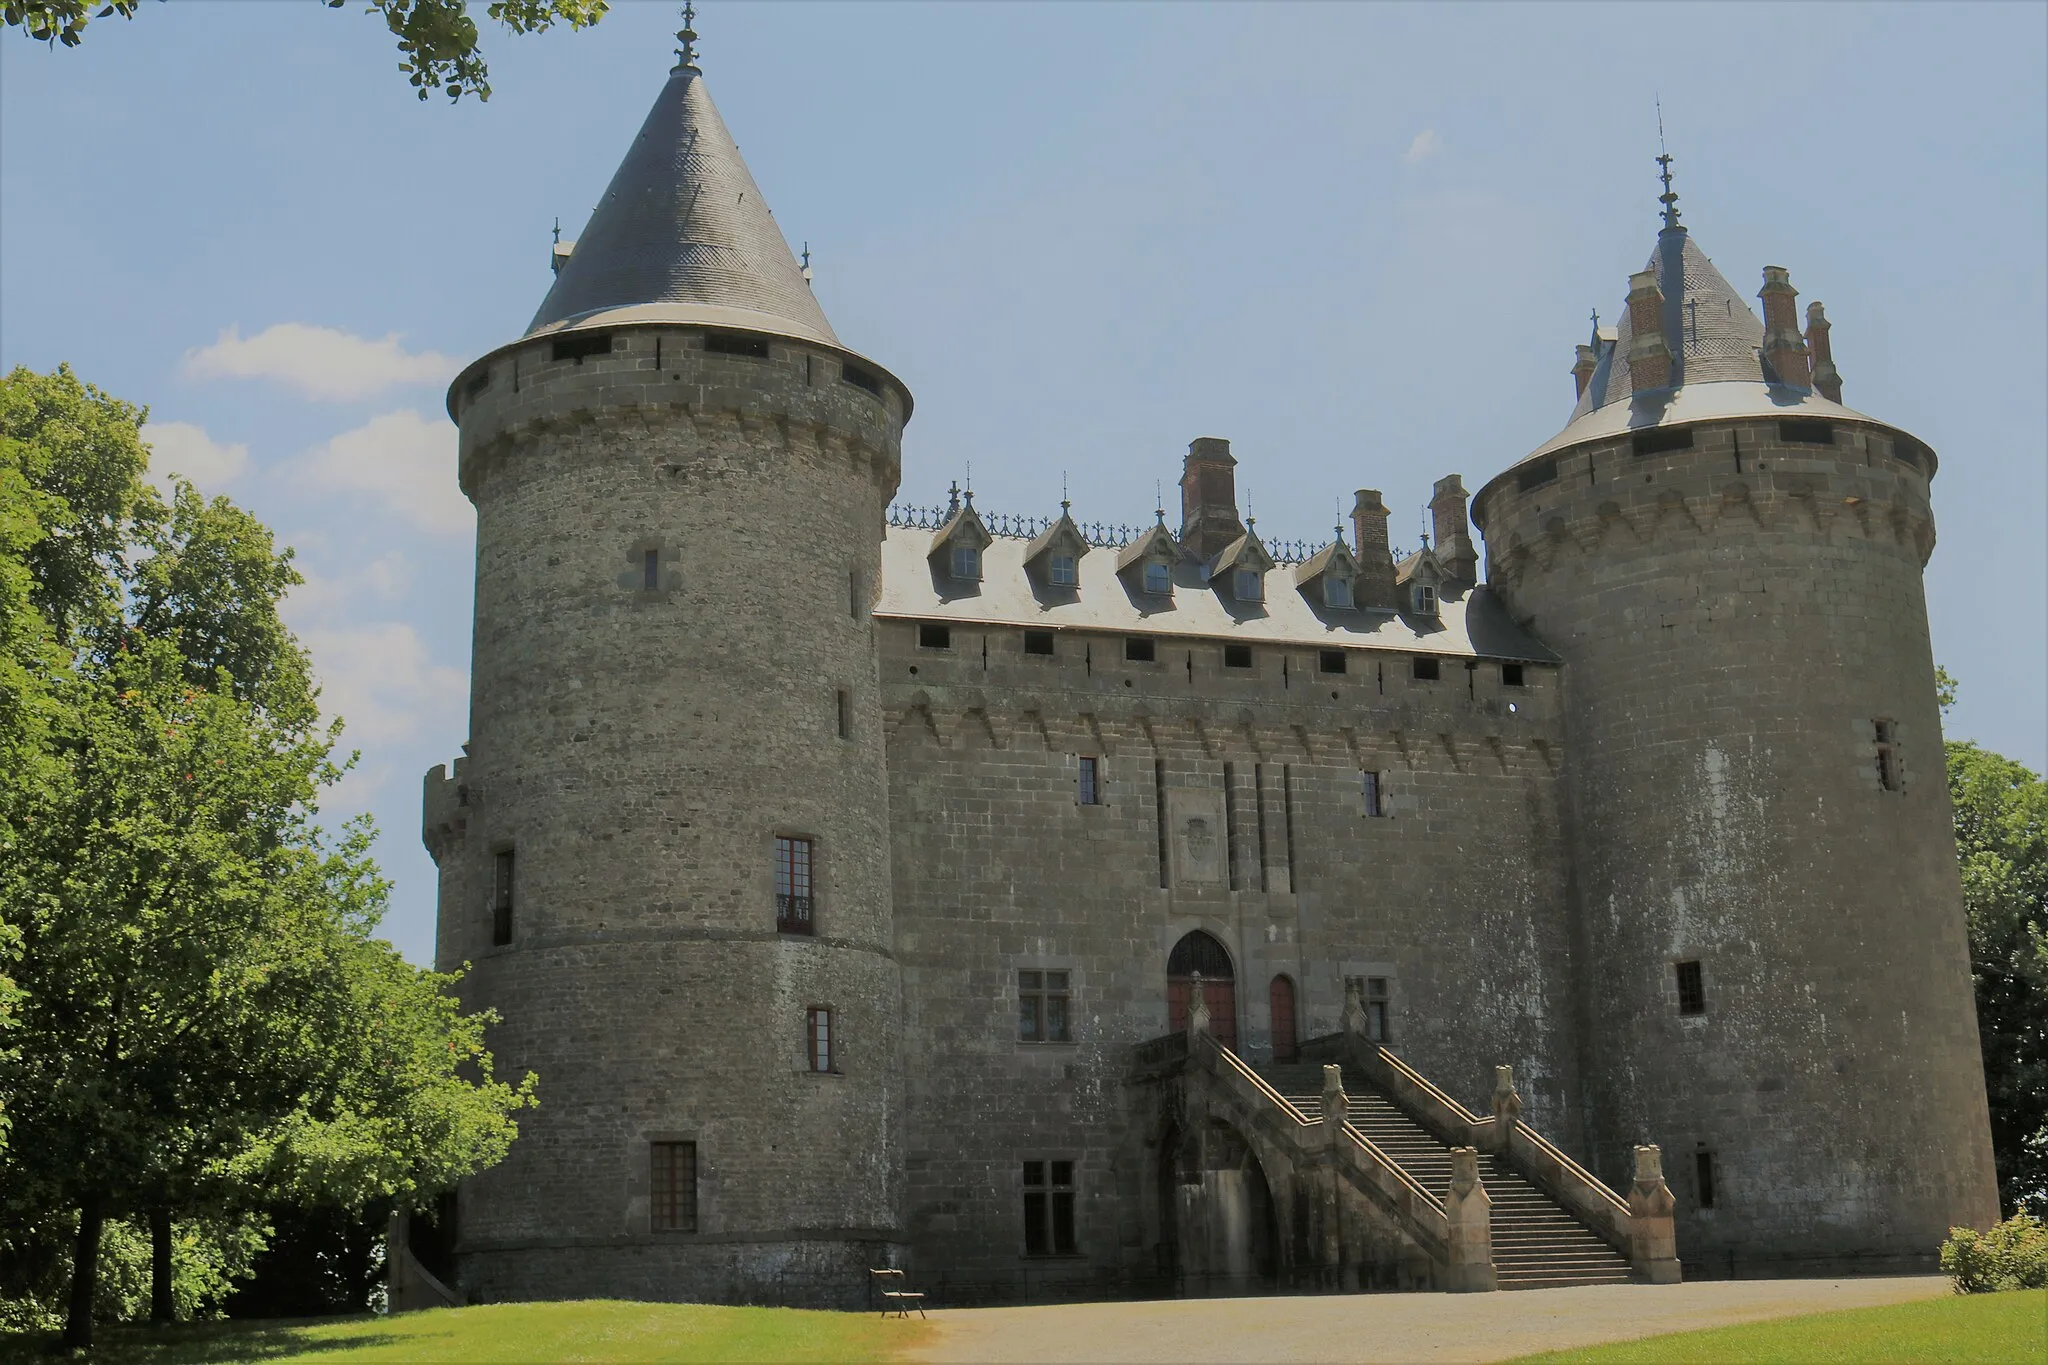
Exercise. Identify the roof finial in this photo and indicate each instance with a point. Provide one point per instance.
(953, 498)
(1159, 498)
(686, 55)
(807, 262)
(1065, 506)
(1669, 199)
(558, 230)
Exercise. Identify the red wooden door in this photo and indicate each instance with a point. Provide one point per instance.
(1281, 996)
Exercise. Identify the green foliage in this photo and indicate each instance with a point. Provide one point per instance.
(207, 1255)
(437, 39)
(2013, 1255)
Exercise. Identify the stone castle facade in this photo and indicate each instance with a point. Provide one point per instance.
(874, 885)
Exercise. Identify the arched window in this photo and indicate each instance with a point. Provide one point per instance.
(1281, 994)
(1198, 952)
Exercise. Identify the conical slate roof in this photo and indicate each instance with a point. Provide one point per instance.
(1712, 334)
(683, 235)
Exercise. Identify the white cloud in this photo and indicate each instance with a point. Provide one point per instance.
(380, 677)
(319, 362)
(1426, 145)
(403, 459)
(181, 448)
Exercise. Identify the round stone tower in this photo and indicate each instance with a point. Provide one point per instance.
(1774, 963)
(666, 852)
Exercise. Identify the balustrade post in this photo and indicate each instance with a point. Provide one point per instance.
(1469, 1210)
(1507, 1108)
(1653, 1241)
(1198, 1009)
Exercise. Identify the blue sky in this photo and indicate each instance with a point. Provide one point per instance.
(1358, 240)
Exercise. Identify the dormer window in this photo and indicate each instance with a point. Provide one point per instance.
(1425, 599)
(967, 562)
(1337, 593)
(1248, 585)
(1062, 571)
(1158, 578)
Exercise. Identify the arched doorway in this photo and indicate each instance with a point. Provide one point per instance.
(1200, 953)
(1281, 997)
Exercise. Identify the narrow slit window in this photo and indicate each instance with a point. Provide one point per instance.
(1887, 755)
(1159, 814)
(1042, 1014)
(795, 910)
(1237, 656)
(818, 1039)
(1138, 649)
(1703, 1178)
(1038, 642)
(1330, 661)
(1378, 1000)
(1230, 821)
(855, 598)
(501, 898)
(934, 637)
(1049, 1208)
(1369, 793)
(1088, 783)
(650, 570)
(1426, 670)
(1692, 989)
(672, 1186)
(843, 700)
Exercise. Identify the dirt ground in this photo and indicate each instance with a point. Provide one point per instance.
(1387, 1327)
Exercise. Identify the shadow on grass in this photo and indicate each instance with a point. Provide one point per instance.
(200, 1343)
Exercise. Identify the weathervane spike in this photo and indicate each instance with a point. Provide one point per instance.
(1669, 199)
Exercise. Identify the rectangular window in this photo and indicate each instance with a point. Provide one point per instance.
(577, 345)
(1807, 433)
(1376, 1008)
(861, 379)
(1660, 439)
(1158, 578)
(736, 343)
(1692, 989)
(1048, 1208)
(1038, 642)
(1425, 599)
(1887, 755)
(1249, 585)
(1237, 656)
(650, 570)
(856, 600)
(1426, 670)
(672, 1186)
(818, 1037)
(793, 904)
(934, 637)
(1042, 1008)
(845, 703)
(1330, 661)
(1088, 785)
(1062, 571)
(967, 562)
(1511, 675)
(501, 898)
(1369, 790)
(1537, 474)
(1138, 649)
(1337, 593)
(1703, 1178)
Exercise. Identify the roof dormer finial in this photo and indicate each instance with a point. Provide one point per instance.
(1669, 199)
(686, 55)
(953, 498)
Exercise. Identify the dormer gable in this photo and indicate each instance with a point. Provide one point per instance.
(1240, 568)
(1146, 564)
(1329, 577)
(1419, 582)
(1053, 558)
(957, 546)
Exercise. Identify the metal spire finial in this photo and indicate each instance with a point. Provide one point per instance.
(1065, 505)
(686, 55)
(953, 498)
(807, 263)
(1159, 497)
(1669, 199)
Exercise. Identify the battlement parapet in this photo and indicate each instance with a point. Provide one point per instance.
(445, 802)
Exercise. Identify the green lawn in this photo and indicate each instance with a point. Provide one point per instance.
(596, 1330)
(2011, 1327)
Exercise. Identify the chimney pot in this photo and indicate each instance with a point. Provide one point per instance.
(1583, 365)
(1784, 348)
(1209, 519)
(1827, 380)
(1447, 513)
(1649, 354)
(1375, 586)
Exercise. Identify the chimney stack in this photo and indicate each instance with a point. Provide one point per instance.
(1375, 586)
(1827, 380)
(1649, 354)
(1582, 368)
(1208, 497)
(1784, 348)
(1453, 530)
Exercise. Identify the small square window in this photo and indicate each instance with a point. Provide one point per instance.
(818, 1037)
(934, 637)
(1088, 782)
(1038, 642)
(1158, 578)
(1049, 1208)
(967, 563)
(1237, 656)
(1692, 989)
(1337, 593)
(1427, 670)
(1248, 585)
(794, 907)
(1138, 649)
(1062, 571)
(1425, 599)
(1511, 675)
(1042, 1007)
(1330, 661)
(1369, 793)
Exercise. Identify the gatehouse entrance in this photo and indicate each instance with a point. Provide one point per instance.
(1200, 953)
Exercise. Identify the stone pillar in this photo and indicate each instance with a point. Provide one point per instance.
(1584, 363)
(1784, 348)
(1454, 529)
(1653, 1244)
(1507, 1107)
(1375, 586)
(1355, 1024)
(1827, 380)
(1198, 1008)
(1470, 1210)
(1336, 1104)
(1649, 354)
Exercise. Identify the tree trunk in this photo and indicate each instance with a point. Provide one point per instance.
(85, 1274)
(162, 1306)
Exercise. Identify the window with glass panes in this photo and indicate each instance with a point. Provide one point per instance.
(1088, 786)
(793, 904)
(818, 1037)
(1376, 1006)
(1049, 1208)
(1042, 1007)
(672, 1186)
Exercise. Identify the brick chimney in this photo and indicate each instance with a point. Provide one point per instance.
(1827, 380)
(1375, 586)
(1208, 497)
(1583, 367)
(1784, 348)
(1649, 354)
(1453, 530)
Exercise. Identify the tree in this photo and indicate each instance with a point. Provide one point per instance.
(205, 1021)
(2001, 822)
(437, 38)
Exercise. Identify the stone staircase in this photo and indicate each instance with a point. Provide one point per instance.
(1537, 1244)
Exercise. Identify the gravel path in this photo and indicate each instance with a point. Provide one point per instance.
(1387, 1327)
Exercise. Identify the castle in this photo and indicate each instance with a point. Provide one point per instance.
(1054, 908)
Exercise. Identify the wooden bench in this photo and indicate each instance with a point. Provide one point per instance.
(895, 1298)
